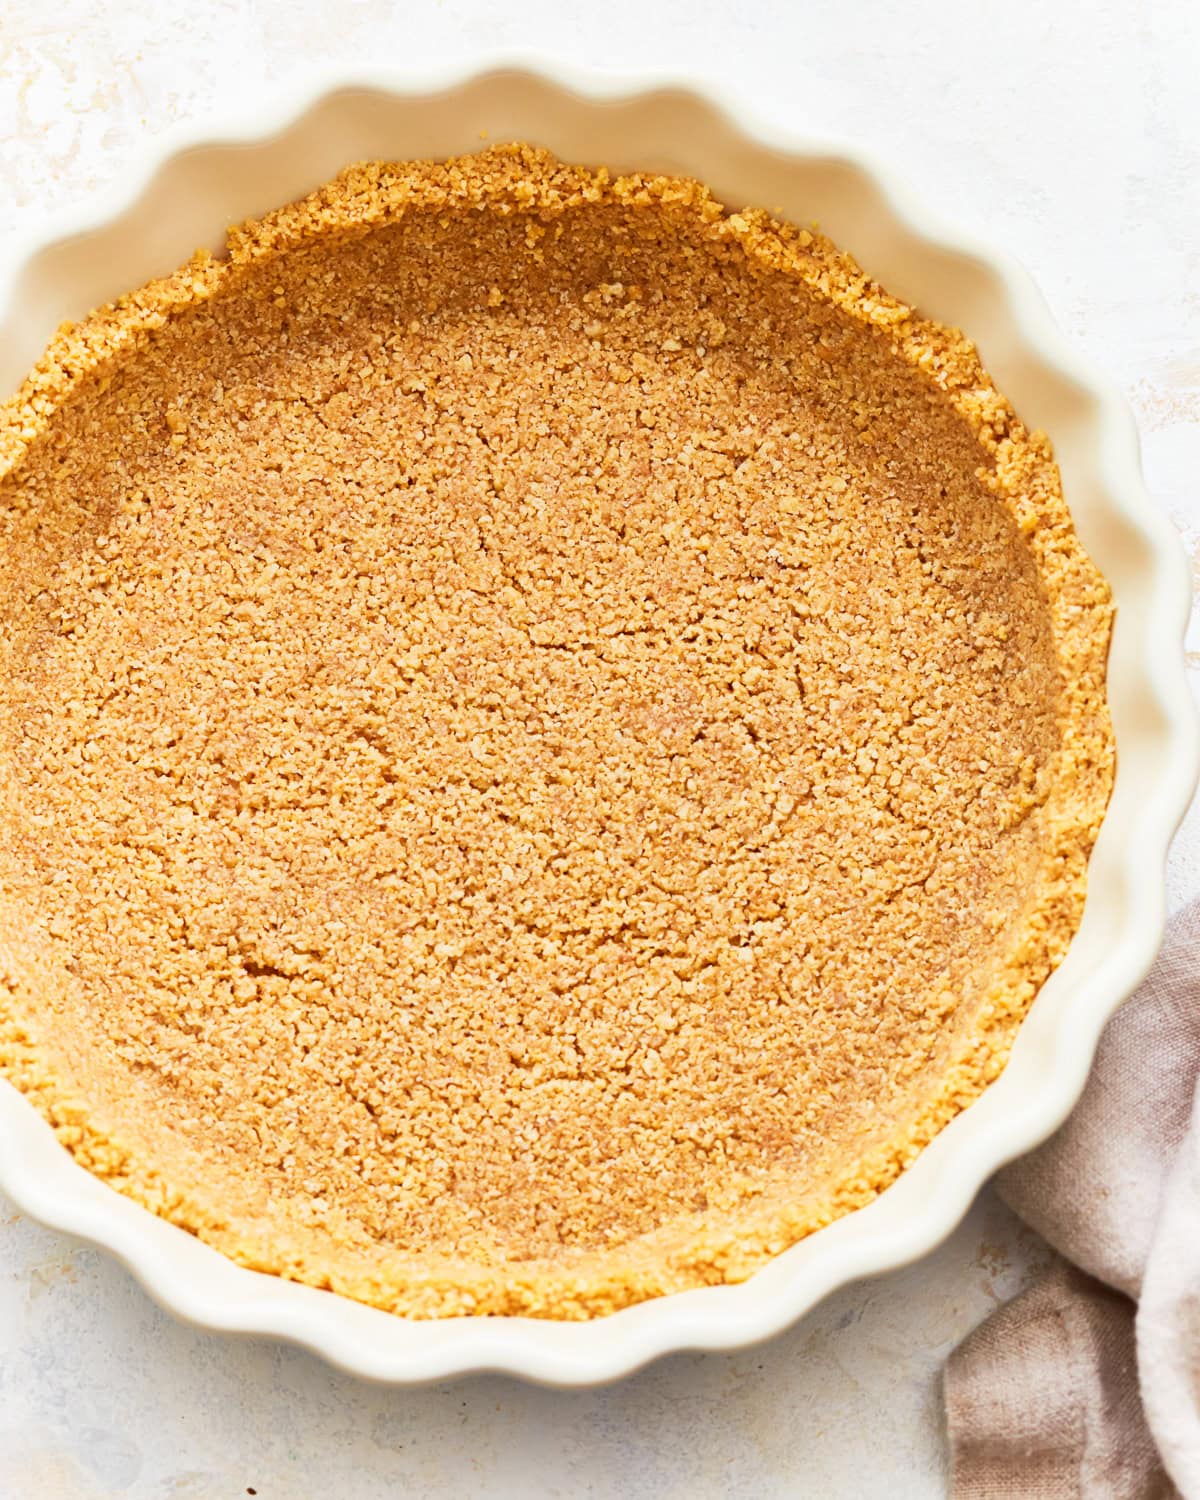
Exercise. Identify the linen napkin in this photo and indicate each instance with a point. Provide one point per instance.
(1088, 1384)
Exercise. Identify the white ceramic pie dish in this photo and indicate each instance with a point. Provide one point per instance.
(202, 180)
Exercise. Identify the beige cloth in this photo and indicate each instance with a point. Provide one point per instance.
(1088, 1384)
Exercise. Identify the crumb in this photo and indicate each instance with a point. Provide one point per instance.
(551, 734)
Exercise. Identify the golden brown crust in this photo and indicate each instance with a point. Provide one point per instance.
(687, 785)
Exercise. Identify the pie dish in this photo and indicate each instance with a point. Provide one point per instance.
(554, 730)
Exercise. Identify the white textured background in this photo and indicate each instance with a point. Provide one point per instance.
(1070, 132)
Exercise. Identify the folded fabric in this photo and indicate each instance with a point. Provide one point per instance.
(1088, 1384)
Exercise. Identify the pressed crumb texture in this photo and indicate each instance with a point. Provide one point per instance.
(550, 733)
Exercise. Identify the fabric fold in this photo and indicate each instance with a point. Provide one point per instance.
(1088, 1384)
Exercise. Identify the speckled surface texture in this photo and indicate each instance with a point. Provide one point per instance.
(100, 1394)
